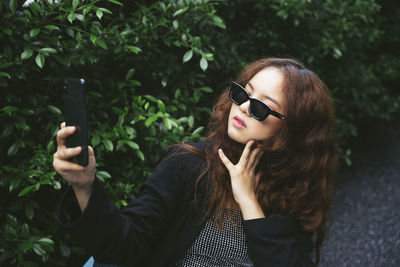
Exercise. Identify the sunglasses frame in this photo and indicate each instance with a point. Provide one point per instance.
(270, 110)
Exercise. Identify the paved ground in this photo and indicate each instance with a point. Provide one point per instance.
(364, 229)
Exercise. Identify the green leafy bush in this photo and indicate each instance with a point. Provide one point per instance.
(153, 70)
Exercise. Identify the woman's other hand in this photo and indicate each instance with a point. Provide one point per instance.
(244, 180)
(81, 178)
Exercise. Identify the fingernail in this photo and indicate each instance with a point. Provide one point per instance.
(77, 148)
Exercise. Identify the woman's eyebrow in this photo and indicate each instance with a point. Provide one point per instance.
(265, 96)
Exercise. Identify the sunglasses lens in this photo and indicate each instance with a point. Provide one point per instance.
(238, 95)
(258, 109)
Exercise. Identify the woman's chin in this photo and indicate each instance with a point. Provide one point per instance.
(239, 138)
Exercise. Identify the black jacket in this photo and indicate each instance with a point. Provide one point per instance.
(160, 224)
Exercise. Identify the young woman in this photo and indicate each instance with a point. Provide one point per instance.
(252, 194)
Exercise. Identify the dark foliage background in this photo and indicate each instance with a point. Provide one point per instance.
(153, 70)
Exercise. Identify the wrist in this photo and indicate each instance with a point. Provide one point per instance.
(83, 189)
(246, 200)
(250, 208)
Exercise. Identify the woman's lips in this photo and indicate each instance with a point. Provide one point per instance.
(238, 122)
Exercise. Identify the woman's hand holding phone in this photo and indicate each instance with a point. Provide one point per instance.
(81, 178)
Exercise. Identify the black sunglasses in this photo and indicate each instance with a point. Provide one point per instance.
(258, 109)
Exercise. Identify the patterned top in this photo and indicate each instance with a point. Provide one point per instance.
(219, 247)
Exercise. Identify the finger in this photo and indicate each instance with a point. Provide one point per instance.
(91, 151)
(244, 158)
(228, 164)
(62, 135)
(62, 125)
(66, 153)
(64, 165)
(91, 154)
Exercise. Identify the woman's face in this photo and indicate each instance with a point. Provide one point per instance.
(266, 86)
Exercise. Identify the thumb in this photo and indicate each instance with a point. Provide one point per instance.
(91, 151)
(91, 155)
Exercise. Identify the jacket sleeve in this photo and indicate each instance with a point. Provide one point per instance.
(125, 236)
(278, 241)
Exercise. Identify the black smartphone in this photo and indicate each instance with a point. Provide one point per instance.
(75, 115)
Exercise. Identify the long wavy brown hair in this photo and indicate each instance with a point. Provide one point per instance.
(299, 160)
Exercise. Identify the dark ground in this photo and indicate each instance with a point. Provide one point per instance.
(364, 228)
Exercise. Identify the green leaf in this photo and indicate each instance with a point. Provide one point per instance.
(115, 2)
(203, 64)
(187, 56)
(164, 82)
(27, 54)
(130, 131)
(22, 125)
(80, 17)
(57, 185)
(71, 17)
(34, 32)
(40, 60)
(103, 174)
(167, 123)
(105, 10)
(24, 230)
(51, 27)
(25, 191)
(191, 121)
(150, 120)
(132, 144)
(108, 144)
(75, 3)
(206, 89)
(175, 24)
(93, 38)
(8, 31)
(134, 49)
(48, 50)
(129, 74)
(5, 74)
(337, 53)
(151, 98)
(219, 22)
(161, 106)
(14, 183)
(27, 111)
(54, 109)
(70, 32)
(208, 56)
(198, 131)
(140, 155)
(180, 12)
(95, 140)
(27, 245)
(29, 211)
(13, 149)
(38, 249)
(45, 241)
(86, 10)
(101, 44)
(99, 13)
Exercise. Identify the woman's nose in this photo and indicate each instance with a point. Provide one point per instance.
(244, 107)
